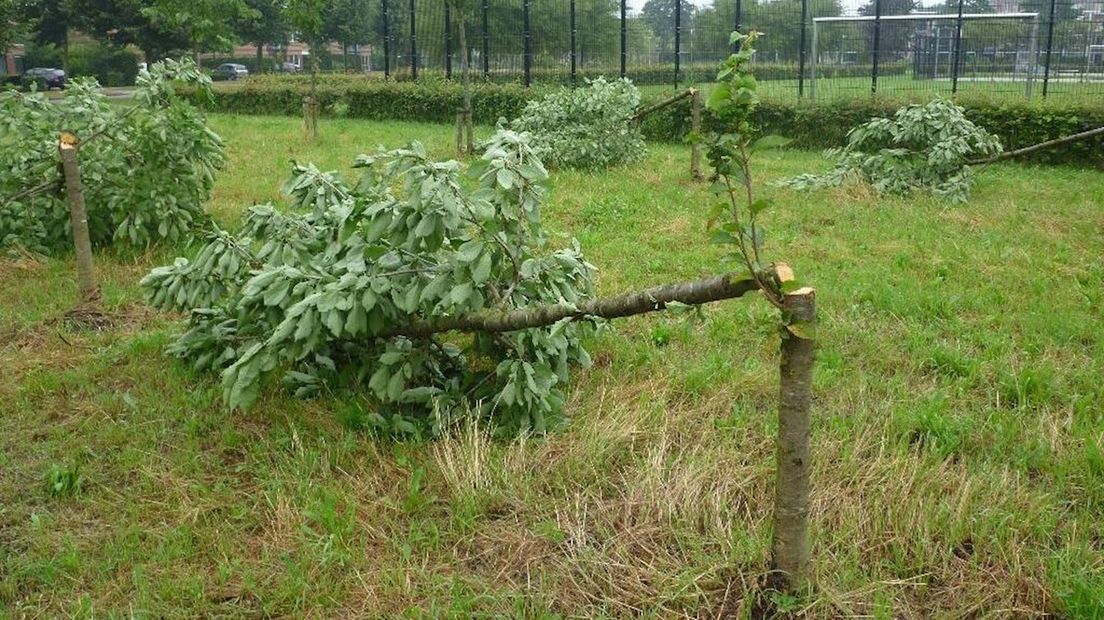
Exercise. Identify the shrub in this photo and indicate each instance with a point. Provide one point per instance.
(326, 293)
(589, 128)
(923, 147)
(147, 170)
(810, 124)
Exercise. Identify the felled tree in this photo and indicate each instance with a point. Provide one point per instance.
(366, 285)
(922, 148)
(128, 156)
(589, 128)
(332, 296)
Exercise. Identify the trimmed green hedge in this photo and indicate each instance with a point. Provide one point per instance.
(811, 125)
(825, 124)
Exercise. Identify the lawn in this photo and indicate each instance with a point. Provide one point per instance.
(958, 434)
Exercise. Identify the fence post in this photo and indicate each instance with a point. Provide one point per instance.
(1049, 48)
(413, 44)
(624, 38)
(877, 45)
(790, 531)
(739, 9)
(527, 35)
(957, 49)
(448, 43)
(486, 42)
(386, 40)
(813, 63)
(78, 217)
(574, 44)
(801, 53)
(678, 39)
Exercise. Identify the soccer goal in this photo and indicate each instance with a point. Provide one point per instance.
(992, 51)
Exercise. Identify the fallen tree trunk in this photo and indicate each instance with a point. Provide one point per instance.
(656, 107)
(1040, 146)
(649, 300)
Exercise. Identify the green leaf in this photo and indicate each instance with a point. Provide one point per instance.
(769, 142)
(760, 205)
(482, 269)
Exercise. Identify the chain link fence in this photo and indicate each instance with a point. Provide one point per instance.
(810, 48)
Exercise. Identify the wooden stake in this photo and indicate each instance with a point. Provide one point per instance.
(790, 538)
(310, 117)
(695, 129)
(78, 215)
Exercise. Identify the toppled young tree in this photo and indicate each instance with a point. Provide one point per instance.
(922, 148)
(588, 128)
(127, 155)
(361, 286)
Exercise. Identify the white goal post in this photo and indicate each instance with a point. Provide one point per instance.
(1033, 45)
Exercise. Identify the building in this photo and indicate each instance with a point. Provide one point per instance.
(13, 61)
(298, 53)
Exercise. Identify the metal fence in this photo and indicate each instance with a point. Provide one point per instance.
(809, 48)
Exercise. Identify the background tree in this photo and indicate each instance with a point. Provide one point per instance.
(894, 36)
(349, 22)
(49, 22)
(126, 22)
(8, 13)
(660, 17)
(264, 24)
(206, 25)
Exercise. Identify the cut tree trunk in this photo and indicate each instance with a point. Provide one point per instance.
(1040, 146)
(86, 275)
(650, 300)
(656, 107)
(790, 536)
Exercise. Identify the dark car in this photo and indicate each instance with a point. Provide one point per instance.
(229, 71)
(46, 78)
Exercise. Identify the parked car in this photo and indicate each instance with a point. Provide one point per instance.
(229, 71)
(46, 78)
(290, 67)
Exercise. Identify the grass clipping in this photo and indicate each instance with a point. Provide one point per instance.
(922, 148)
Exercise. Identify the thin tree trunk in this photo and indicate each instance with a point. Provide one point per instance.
(695, 129)
(86, 275)
(65, 53)
(464, 117)
(260, 56)
(1040, 146)
(650, 300)
(310, 103)
(790, 538)
(656, 107)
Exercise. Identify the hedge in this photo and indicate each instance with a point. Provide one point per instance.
(817, 125)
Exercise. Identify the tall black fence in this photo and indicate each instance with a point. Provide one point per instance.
(809, 48)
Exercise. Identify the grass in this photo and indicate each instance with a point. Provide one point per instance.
(958, 426)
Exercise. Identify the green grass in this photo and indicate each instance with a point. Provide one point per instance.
(958, 429)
